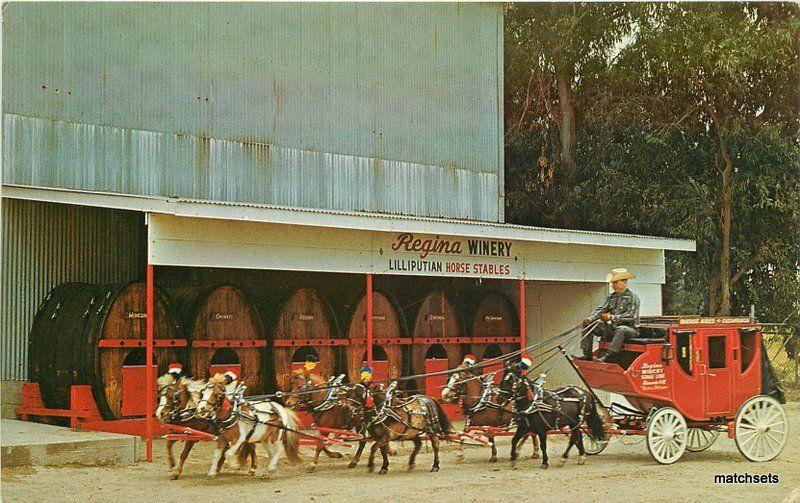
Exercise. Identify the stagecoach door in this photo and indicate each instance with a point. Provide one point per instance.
(715, 371)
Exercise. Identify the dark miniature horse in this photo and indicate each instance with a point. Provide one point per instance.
(408, 419)
(332, 405)
(483, 404)
(541, 410)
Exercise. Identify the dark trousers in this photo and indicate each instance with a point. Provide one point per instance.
(617, 335)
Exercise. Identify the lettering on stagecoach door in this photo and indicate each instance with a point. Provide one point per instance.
(450, 256)
(653, 376)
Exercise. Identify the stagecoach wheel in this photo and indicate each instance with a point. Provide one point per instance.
(700, 439)
(761, 428)
(666, 435)
(592, 446)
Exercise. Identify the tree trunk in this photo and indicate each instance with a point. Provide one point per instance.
(566, 104)
(720, 286)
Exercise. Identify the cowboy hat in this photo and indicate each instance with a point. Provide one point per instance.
(618, 274)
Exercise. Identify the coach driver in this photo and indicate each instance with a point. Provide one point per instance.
(619, 314)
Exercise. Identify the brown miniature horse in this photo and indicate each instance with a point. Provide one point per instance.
(332, 405)
(176, 405)
(268, 423)
(483, 404)
(409, 419)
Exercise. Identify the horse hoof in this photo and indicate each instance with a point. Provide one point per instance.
(561, 462)
(543, 467)
(174, 476)
(311, 468)
(535, 455)
(581, 460)
(351, 464)
(411, 467)
(382, 471)
(370, 468)
(493, 460)
(212, 474)
(434, 469)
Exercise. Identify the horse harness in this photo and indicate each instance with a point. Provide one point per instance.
(540, 407)
(388, 411)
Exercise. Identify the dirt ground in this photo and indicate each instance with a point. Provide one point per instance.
(621, 472)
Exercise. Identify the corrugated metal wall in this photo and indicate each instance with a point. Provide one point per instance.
(377, 107)
(45, 244)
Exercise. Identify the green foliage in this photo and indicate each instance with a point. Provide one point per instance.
(680, 92)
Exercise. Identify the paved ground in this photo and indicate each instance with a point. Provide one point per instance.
(621, 472)
(26, 443)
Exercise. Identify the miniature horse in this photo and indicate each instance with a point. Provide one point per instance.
(483, 404)
(415, 416)
(332, 405)
(542, 410)
(239, 423)
(176, 405)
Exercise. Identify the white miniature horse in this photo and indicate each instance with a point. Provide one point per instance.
(267, 423)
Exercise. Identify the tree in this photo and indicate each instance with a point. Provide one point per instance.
(727, 70)
(556, 47)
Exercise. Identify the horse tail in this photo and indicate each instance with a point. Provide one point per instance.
(444, 422)
(244, 451)
(594, 421)
(291, 440)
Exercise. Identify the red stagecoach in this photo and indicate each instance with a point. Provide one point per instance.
(687, 380)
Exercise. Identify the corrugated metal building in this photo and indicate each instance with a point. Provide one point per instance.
(46, 244)
(370, 107)
(286, 122)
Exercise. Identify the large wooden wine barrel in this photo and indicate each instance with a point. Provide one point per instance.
(389, 333)
(438, 340)
(224, 332)
(94, 334)
(305, 325)
(494, 327)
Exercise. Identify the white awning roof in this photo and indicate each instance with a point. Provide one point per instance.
(343, 220)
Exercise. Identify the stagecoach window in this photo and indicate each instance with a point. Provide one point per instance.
(716, 352)
(683, 343)
(747, 341)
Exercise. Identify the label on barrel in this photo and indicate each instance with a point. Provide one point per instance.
(135, 315)
(222, 316)
(305, 317)
(492, 317)
(436, 317)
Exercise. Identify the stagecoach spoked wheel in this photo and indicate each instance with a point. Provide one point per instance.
(666, 435)
(761, 428)
(700, 439)
(593, 446)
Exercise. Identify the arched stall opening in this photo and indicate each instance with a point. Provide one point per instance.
(226, 359)
(438, 342)
(305, 323)
(389, 335)
(494, 328)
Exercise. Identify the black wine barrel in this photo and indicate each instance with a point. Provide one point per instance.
(64, 344)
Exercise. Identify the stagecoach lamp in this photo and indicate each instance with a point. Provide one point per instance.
(667, 352)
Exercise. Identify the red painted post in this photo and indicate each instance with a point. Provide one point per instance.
(522, 322)
(148, 380)
(369, 319)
